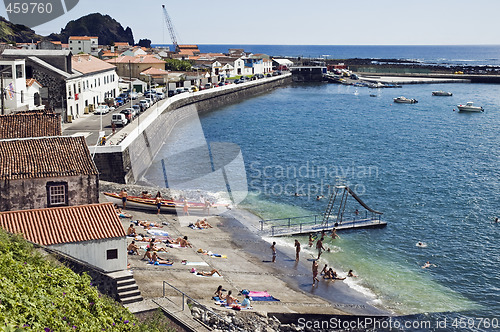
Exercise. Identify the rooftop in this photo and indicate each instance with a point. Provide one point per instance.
(24, 125)
(81, 38)
(85, 64)
(64, 224)
(45, 157)
(136, 59)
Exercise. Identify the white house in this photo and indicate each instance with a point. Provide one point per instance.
(83, 44)
(90, 233)
(14, 83)
(93, 81)
(33, 88)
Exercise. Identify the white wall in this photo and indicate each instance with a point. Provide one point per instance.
(16, 94)
(94, 252)
(91, 89)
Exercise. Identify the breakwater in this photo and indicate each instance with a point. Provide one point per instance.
(130, 152)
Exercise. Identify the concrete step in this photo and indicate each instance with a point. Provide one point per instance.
(125, 282)
(126, 288)
(133, 299)
(132, 293)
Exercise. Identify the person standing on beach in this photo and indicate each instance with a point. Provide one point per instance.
(311, 240)
(297, 250)
(315, 272)
(158, 203)
(273, 248)
(185, 208)
(319, 247)
(123, 196)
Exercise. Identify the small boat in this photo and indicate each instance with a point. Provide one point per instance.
(168, 205)
(441, 93)
(404, 100)
(469, 107)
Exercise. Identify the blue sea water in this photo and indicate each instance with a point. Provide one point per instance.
(476, 55)
(433, 172)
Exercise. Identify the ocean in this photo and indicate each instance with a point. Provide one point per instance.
(434, 173)
(473, 55)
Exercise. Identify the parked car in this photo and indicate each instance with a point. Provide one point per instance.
(129, 113)
(269, 75)
(208, 85)
(119, 101)
(119, 119)
(137, 108)
(102, 109)
(134, 95)
(145, 103)
(259, 75)
(124, 96)
(194, 88)
(171, 93)
(238, 81)
(179, 90)
(160, 95)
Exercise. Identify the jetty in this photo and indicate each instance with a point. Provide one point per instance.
(335, 216)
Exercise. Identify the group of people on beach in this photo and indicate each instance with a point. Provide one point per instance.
(229, 300)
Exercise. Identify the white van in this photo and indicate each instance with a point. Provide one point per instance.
(119, 119)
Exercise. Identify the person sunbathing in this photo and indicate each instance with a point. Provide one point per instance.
(157, 259)
(131, 231)
(155, 248)
(202, 223)
(148, 254)
(231, 300)
(133, 248)
(209, 274)
(120, 213)
(218, 293)
(148, 224)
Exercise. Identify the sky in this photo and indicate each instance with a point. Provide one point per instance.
(293, 22)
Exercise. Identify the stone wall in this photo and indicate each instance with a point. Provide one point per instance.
(27, 194)
(118, 166)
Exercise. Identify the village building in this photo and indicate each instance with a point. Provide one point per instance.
(83, 44)
(135, 51)
(30, 124)
(48, 45)
(94, 81)
(187, 51)
(46, 172)
(132, 67)
(90, 233)
(13, 75)
(33, 89)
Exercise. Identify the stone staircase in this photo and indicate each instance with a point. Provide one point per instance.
(128, 291)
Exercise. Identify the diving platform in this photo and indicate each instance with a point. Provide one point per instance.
(313, 224)
(342, 220)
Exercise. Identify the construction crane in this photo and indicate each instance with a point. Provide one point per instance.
(170, 26)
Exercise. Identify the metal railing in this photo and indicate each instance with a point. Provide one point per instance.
(205, 308)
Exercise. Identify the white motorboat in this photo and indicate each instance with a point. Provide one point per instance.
(404, 100)
(469, 107)
(441, 93)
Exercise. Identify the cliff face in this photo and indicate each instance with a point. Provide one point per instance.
(10, 32)
(103, 26)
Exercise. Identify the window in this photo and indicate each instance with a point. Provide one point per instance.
(19, 71)
(57, 194)
(112, 254)
(22, 97)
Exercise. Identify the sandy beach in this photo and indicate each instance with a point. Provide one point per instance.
(245, 264)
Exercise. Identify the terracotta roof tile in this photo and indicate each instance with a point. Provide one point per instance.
(45, 157)
(31, 81)
(24, 125)
(82, 37)
(136, 59)
(64, 224)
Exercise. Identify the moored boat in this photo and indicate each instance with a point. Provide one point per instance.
(441, 93)
(167, 205)
(469, 107)
(404, 100)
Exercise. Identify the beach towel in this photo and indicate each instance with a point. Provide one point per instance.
(261, 296)
(156, 263)
(174, 245)
(157, 232)
(195, 263)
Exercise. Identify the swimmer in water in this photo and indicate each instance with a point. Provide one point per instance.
(421, 244)
(428, 264)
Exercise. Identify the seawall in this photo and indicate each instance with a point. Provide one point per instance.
(131, 151)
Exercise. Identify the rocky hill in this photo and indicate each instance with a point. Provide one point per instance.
(16, 33)
(103, 26)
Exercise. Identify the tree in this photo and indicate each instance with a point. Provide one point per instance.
(178, 65)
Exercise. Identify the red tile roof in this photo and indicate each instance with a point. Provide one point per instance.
(64, 224)
(24, 125)
(136, 59)
(31, 81)
(45, 157)
(154, 71)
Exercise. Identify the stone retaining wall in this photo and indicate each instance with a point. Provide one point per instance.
(115, 163)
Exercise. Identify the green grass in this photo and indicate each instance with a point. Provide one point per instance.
(39, 294)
